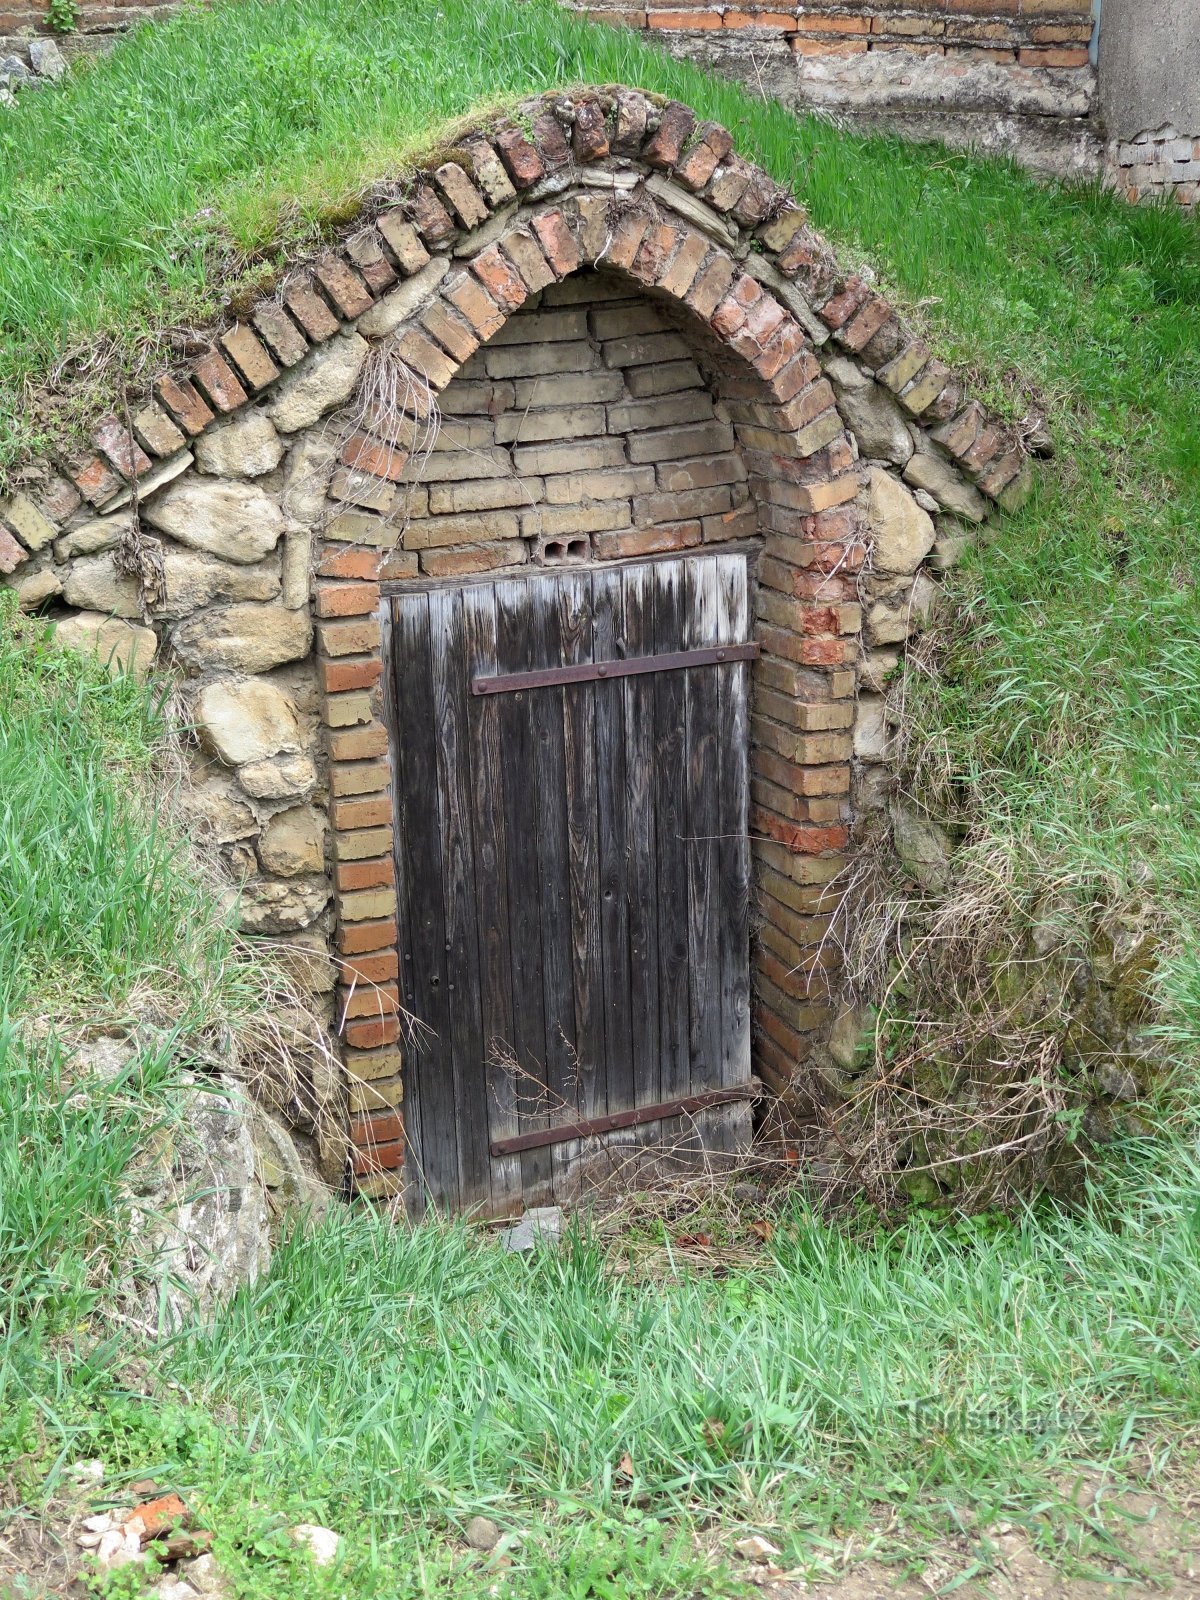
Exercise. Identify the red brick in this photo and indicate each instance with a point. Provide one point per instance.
(551, 141)
(632, 111)
(450, 330)
(665, 146)
(281, 335)
(557, 242)
(710, 144)
(358, 744)
(500, 279)
(371, 968)
(219, 382)
(842, 305)
(760, 19)
(589, 136)
(712, 285)
(365, 454)
(347, 599)
(381, 1158)
(371, 1034)
(865, 323)
(249, 356)
(521, 160)
(403, 241)
(366, 252)
(627, 239)
(115, 441)
(95, 479)
(369, 1000)
(463, 197)
(822, 23)
(373, 812)
(366, 874)
(1052, 58)
(309, 310)
(430, 217)
(349, 561)
(360, 672)
(683, 19)
(470, 297)
(646, 541)
(343, 286)
(376, 1129)
(803, 838)
(185, 403)
(425, 358)
(12, 554)
(829, 47)
(359, 938)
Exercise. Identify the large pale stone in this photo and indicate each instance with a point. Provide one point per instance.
(306, 477)
(284, 777)
(903, 533)
(325, 380)
(93, 583)
(282, 907)
(246, 638)
(871, 414)
(236, 521)
(947, 486)
(195, 579)
(387, 314)
(123, 646)
(101, 533)
(35, 588)
(246, 721)
(922, 845)
(244, 448)
(293, 842)
(215, 811)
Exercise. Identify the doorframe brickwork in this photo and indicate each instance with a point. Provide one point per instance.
(615, 179)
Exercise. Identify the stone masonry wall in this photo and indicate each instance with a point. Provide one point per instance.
(1000, 75)
(716, 378)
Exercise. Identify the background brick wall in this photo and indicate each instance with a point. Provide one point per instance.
(1010, 75)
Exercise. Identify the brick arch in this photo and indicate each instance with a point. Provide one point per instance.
(609, 180)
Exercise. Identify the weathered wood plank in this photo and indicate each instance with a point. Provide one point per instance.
(547, 801)
(431, 1110)
(641, 842)
(733, 742)
(491, 888)
(582, 808)
(702, 769)
(454, 800)
(669, 778)
(614, 843)
(514, 652)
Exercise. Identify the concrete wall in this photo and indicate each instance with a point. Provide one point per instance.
(1150, 97)
(1150, 66)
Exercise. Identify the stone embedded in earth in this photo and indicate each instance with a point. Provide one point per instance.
(122, 646)
(245, 721)
(306, 477)
(216, 811)
(194, 579)
(922, 845)
(875, 419)
(99, 534)
(322, 1544)
(903, 533)
(324, 380)
(280, 778)
(244, 448)
(236, 521)
(539, 1225)
(947, 486)
(36, 588)
(293, 842)
(282, 907)
(48, 60)
(481, 1533)
(94, 583)
(249, 638)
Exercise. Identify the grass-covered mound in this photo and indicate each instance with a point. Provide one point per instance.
(619, 1411)
(1063, 723)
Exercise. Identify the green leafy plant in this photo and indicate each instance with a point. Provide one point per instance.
(62, 15)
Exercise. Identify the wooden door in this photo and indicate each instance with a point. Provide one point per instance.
(572, 869)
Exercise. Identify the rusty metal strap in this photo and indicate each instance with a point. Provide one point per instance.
(590, 1127)
(631, 667)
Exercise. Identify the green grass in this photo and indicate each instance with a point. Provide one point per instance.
(391, 1383)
